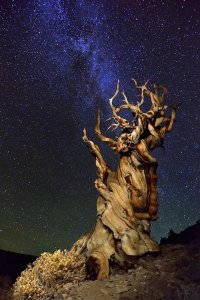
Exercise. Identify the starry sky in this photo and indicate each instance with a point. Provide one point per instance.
(60, 62)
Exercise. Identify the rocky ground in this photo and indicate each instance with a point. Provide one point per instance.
(173, 274)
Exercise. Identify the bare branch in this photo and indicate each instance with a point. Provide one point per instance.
(164, 92)
(172, 120)
(94, 149)
(98, 133)
(143, 88)
(123, 122)
(134, 108)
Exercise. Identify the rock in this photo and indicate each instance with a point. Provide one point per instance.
(105, 291)
(121, 289)
(109, 284)
(68, 286)
(60, 290)
(118, 276)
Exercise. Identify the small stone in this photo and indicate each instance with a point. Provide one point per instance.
(68, 286)
(109, 284)
(105, 291)
(122, 289)
(118, 276)
(60, 290)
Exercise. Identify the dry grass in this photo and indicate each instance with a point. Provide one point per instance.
(48, 275)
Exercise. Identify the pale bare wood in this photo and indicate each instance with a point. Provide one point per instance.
(128, 196)
(109, 141)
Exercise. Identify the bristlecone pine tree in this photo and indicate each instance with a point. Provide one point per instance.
(128, 199)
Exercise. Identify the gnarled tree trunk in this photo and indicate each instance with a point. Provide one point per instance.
(128, 199)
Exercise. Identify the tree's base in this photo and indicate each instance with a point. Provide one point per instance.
(103, 250)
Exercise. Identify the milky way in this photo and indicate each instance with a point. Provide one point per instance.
(60, 62)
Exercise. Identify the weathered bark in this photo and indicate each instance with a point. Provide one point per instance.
(128, 198)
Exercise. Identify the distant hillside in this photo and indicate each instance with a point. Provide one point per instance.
(187, 236)
(12, 264)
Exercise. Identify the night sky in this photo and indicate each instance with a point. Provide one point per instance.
(60, 62)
